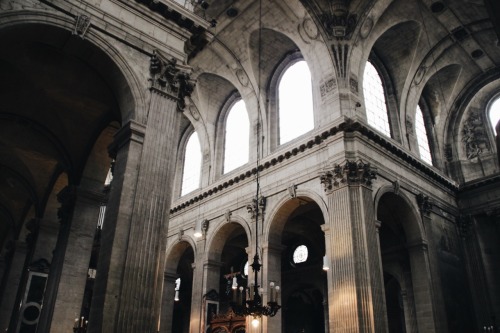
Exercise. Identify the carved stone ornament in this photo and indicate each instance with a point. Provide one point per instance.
(464, 223)
(340, 53)
(292, 191)
(396, 186)
(227, 215)
(409, 125)
(424, 203)
(171, 79)
(339, 23)
(252, 207)
(82, 24)
(348, 173)
(474, 135)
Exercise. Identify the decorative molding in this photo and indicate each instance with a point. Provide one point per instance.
(424, 203)
(474, 135)
(227, 215)
(82, 24)
(396, 187)
(409, 125)
(252, 207)
(292, 191)
(353, 84)
(180, 234)
(348, 126)
(448, 152)
(170, 79)
(464, 223)
(348, 173)
(340, 59)
(339, 23)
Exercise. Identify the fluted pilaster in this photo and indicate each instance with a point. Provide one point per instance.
(355, 281)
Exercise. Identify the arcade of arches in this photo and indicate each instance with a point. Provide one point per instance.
(379, 206)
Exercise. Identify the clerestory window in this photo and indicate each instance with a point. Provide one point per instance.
(236, 142)
(495, 114)
(375, 103)
(192, 165)
(295, 110)
(421, 133)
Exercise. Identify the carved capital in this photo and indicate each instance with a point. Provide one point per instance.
(170, 79)
(348, 173)
(339, 23)
(424, 203)
(255, 208)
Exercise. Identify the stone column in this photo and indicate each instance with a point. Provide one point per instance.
(13, 281)
(211, 277)
(422, 287)
(271, 271)
(328, 293)
(132, 259)
(65, 214)
(76, 259)
(167, 306)
(356, 296)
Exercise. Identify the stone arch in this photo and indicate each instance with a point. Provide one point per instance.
(222, 232)
(124, 81)
(175, 251)
(415, 228)
(285, 205)
(403, 249)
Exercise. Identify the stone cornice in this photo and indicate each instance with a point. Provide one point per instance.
(347, 126)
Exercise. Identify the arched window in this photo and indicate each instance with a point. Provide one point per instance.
(421, 133)
(495, 113)
(295, 111)
(236, 142)
(375, 104)
(192, 165)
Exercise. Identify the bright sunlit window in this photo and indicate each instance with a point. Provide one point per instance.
(295, 102)
(421, 133)
(300, 254)
(375, 105)
(237, 137)
(192, 165)
(495, 113)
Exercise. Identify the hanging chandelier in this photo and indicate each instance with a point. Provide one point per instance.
(248, 302)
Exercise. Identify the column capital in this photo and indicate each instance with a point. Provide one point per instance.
(425, 204)
(273, 248)
(170, 79)
(347, 173)
(212, 263)
(131, 131)
(417, 246)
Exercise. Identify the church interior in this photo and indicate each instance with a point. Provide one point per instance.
(230, 166)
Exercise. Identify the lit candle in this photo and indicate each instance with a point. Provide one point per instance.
(76, 323)
(240, 301)
(277, 288)
(271, 292)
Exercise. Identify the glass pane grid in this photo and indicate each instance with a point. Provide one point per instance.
(192, 165)
(237, 137)
(376, 108)
(296, 115)
(421, 133)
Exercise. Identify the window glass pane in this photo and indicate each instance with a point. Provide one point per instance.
(495, 113)
(192, 165)
(237, 137)
(421, 132)
(295, 102)
(300, 254)
(376, 108)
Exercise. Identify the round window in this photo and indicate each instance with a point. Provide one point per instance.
(300, 254)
